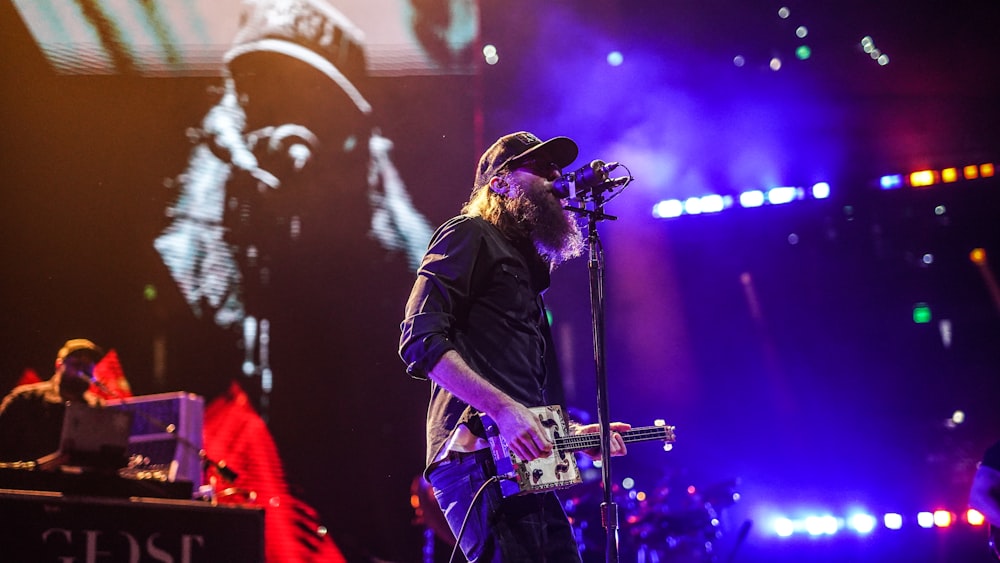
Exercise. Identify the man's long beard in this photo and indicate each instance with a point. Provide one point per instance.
(553, 230)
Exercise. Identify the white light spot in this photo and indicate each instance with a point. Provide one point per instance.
(893, 521)
(944, 327)
(668, 208)
(783, 527)
(862, 523)
(490, 54)
(783, 194)
(692, 205)
(753, 198)
(712, 203)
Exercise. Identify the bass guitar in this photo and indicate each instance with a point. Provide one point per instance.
(559, 469)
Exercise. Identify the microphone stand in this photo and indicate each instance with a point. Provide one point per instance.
(609, 510)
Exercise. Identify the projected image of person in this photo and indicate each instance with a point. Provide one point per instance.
(31, 415)
(475, 326)
(291, 133)
(288, 215)
(445, 29)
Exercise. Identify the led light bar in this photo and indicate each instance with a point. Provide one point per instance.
(931, 177)
(714, 203)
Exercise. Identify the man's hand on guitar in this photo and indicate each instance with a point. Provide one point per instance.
(524, 433)
(617, 443)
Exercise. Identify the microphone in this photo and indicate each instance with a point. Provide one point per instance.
(89, 373)
(592, 177)
(102, 386)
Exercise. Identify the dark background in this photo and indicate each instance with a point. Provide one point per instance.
(831, 398)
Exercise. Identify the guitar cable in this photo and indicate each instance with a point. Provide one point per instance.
(465, 519)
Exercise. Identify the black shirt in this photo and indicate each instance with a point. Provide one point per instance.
(480, 294)
(31, 420)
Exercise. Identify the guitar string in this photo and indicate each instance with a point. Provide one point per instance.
(635, 433)
(586, 441)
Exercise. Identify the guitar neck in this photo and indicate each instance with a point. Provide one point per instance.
(580, 442)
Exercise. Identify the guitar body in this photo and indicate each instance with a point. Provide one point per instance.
(517, 476)
(559, 469)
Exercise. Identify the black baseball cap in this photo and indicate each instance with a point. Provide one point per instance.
(519, 146)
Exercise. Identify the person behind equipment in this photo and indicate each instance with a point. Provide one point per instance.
(31, 416)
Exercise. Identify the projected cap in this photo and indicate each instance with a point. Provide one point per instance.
(310, 31)
(79, 345)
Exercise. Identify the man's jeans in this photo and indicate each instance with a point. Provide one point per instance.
(527, 528)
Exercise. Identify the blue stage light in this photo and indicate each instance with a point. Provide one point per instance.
(861, 523)
(668, 208)
(753, 198)
(780, 195)
(893, 520)
(891, 181)
(712, 203)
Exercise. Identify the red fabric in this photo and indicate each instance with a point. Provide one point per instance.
(109, 372)
(28, 376)
(235, 434)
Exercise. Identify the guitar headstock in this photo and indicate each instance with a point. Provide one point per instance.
(668, 434)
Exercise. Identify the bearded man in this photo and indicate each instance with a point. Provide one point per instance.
(475, 326)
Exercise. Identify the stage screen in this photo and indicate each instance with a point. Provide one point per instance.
(241, 192)
(190, 38)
